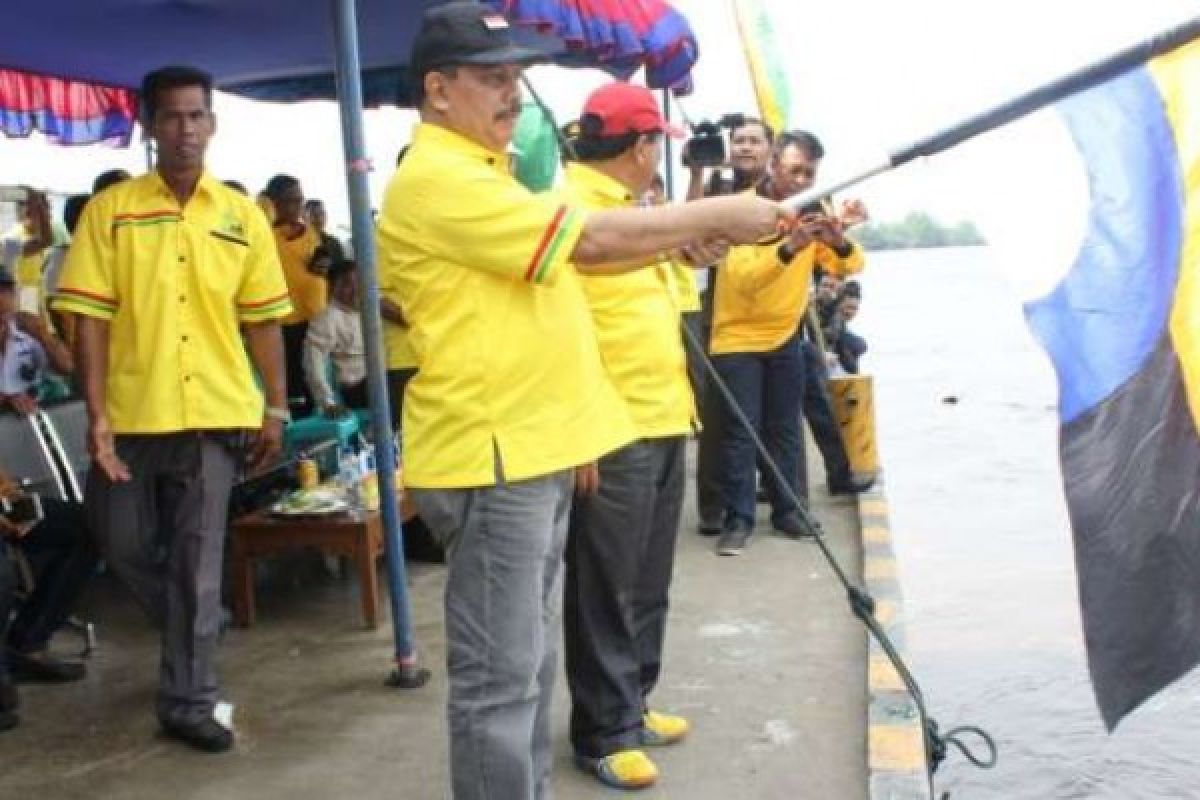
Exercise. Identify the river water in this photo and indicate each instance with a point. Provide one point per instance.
(965, 405)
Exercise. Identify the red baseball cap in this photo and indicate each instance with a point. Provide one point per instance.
(628, 108)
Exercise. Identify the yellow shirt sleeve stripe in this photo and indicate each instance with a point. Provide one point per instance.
(270, 308)
(551, 243)
(85, 302)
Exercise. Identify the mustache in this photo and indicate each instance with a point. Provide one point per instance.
(513, 111)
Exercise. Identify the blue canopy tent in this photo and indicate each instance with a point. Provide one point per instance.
(352, 50)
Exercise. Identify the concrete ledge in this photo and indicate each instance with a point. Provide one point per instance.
(896, 767)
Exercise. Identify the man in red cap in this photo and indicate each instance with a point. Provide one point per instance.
(621, 541)
(511, 395)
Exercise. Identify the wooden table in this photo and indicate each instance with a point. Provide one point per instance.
(359, 537)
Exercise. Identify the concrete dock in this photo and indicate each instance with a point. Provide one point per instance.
(763, 656)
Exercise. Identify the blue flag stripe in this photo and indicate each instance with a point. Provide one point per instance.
(1101, 324)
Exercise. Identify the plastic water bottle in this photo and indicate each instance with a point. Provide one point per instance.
(349, 478)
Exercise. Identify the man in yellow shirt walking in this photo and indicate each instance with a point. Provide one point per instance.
(760, 301)
(511, 394)
(165, 272)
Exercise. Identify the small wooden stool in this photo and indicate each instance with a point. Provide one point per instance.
(358, 537)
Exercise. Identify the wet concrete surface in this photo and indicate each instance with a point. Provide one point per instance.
(762, 656)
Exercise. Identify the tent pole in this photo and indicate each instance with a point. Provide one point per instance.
(668, 149)
(407, 674)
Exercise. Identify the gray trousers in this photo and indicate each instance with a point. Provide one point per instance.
(163, 535)
(504, 548)
(620, 554)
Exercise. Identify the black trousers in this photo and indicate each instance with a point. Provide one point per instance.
(818, 411)
(300, 401)
(397, 382)
(8, 599)
(710, 499)
(619, 557)
(63, 560)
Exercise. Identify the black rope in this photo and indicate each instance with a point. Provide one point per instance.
(862, 605)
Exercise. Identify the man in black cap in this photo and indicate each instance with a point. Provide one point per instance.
(510, 408)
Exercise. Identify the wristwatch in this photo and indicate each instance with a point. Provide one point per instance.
(281, 414)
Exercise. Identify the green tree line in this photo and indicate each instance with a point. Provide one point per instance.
(917, 229)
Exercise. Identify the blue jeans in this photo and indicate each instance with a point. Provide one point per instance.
(769, 387)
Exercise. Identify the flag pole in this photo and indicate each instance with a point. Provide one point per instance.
(1013, 109)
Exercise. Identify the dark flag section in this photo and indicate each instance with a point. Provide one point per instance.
(1122, 330)
(1131, 468)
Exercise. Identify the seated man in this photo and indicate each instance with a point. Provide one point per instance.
(847, 346)
(58, 546)
(335, 335)
(27, 348)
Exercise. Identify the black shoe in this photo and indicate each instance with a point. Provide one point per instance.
(8, 695)
(711, 525)
(851, 486)
(207, 735)
(8, 720)
(760, 496)
(735, 538)
(792, 524)
(43, 668)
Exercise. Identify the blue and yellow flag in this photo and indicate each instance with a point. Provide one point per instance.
(1123, 331)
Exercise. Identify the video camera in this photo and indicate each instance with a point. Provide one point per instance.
(706, 148)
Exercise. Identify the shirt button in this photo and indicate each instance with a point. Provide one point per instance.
(187, 378)
(183, 298)
(184, 338)
(182, 260)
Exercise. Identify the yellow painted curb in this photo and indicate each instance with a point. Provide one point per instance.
(880, 568)
(896, 748)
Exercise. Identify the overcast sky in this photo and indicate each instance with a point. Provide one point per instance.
(866, 76)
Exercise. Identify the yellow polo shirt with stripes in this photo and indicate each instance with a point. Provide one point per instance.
(510, 384)
(309, 291)
(175, 284)
(760, 300)
(637, 318)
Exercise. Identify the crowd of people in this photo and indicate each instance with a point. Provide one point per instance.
(536, 366)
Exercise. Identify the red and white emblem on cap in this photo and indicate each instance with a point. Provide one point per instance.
(494, 22)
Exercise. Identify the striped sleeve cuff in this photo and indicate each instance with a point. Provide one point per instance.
(556, 244)
(262, 310)
(79, 301)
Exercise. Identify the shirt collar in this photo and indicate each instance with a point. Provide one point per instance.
(598, 189)
(430, 134)
(207, 185)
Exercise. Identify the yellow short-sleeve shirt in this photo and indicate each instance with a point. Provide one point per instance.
(309, 291)
(510, 386)
(637, 319)
(175, 284)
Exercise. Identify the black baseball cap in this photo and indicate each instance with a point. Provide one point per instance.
(6, 278)
(467, 32)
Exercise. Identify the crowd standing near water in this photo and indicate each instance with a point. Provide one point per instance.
(195, 323)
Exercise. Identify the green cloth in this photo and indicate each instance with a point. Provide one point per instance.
(536, 161)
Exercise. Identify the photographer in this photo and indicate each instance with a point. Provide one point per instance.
(750, 142)
(27, 348)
